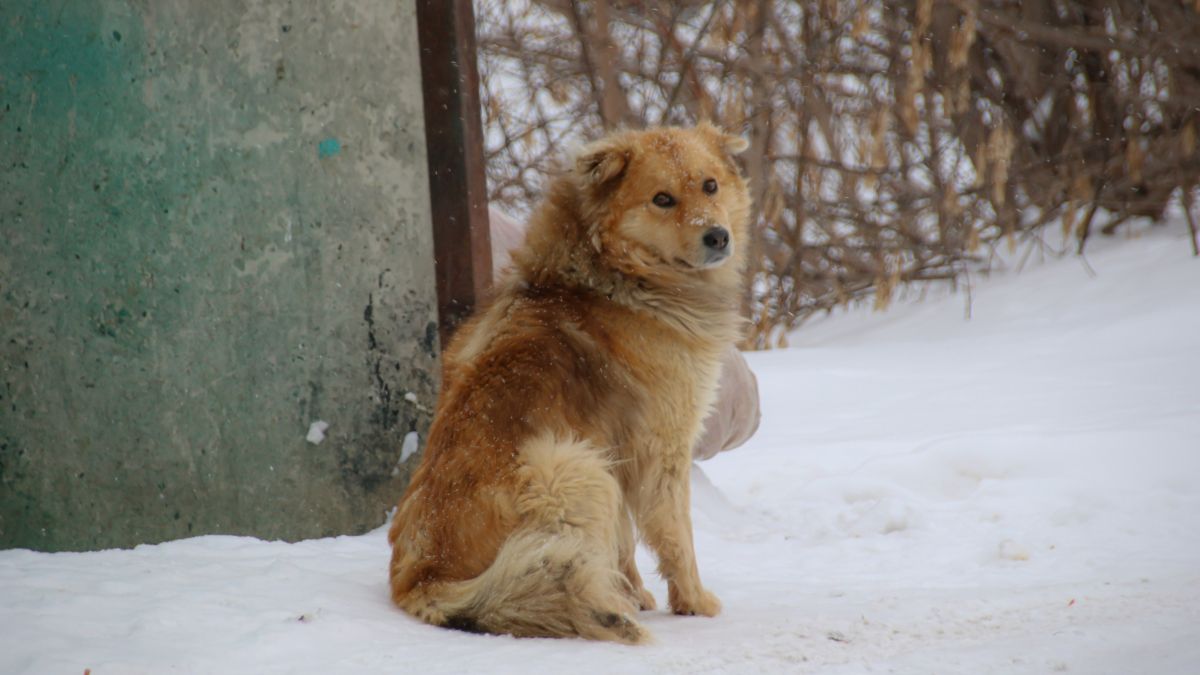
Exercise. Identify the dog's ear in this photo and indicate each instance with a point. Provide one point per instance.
(602, 162)
(735, 145)
(728, 143)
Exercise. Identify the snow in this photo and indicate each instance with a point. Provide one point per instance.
(409, 447)
(316, 432)
(1014, 493)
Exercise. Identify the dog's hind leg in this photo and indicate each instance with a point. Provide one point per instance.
(571, 495)
(557, 574)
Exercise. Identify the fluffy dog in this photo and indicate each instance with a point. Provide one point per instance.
(571, 401)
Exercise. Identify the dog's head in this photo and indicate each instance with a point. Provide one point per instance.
(666, 202)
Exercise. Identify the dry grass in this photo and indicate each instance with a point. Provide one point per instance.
(891, 142)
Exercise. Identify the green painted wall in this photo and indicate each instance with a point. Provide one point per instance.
(215, 231)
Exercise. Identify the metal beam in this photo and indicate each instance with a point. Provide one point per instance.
(454, 144)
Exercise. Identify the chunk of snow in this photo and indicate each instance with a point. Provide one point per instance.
(316, 432)
(412, 398)
(409, 446)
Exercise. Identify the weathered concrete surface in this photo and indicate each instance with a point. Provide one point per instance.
(214, 221)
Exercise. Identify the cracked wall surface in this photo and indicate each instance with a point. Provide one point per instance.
(215, 232)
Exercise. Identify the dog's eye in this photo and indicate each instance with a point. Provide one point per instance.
(710, 186)
(664, 200)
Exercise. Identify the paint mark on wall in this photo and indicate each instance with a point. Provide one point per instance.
(328, 148)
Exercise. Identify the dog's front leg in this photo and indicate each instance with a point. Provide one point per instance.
(665, 521)
(627, 549)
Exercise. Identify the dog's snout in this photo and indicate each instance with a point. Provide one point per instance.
(717, 239)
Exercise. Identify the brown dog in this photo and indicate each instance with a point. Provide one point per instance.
(570, 403)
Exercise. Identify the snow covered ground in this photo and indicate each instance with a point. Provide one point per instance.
(1015, 493)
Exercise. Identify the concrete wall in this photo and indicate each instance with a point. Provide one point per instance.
(214, 221)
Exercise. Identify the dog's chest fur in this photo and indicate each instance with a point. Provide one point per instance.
(679, 375)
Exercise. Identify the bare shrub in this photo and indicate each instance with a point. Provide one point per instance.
(891, 142)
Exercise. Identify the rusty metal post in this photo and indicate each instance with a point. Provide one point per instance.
(454, 144)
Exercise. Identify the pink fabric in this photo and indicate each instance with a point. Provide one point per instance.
(734, 417)
(507, 234)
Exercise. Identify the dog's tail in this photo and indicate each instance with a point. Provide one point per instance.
(557, 574)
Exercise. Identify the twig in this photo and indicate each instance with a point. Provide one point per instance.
(686, 66)
(970, 294)
(1085, 228)
(1111, 226)
(1188, 200)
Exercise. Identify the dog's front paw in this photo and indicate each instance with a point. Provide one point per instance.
(704, 604)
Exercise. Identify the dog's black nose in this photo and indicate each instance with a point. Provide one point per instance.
(717, 239)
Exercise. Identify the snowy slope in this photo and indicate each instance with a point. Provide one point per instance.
(1014, 493)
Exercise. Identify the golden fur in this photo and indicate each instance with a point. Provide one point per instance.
(571, 401)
